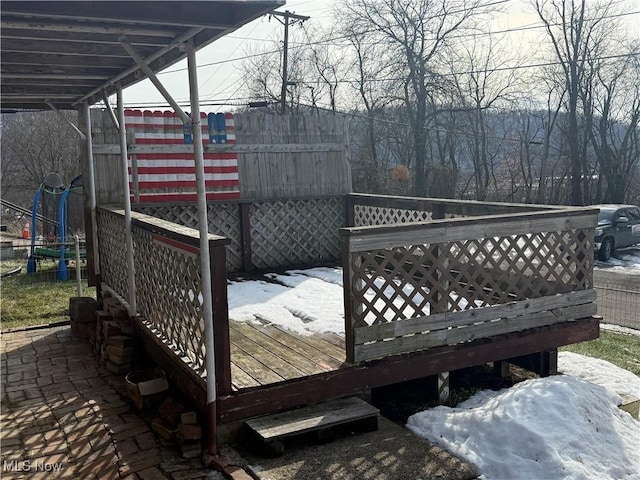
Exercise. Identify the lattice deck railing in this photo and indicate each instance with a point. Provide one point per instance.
(414, 286)
(169, 294)
(113, 270)
(268, 233)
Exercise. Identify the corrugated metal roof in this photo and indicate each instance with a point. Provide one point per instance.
(66, 52)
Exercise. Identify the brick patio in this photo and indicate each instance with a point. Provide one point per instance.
(60, 411)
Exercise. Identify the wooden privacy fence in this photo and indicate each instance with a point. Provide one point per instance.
(414, 286)
(268, 233)
(262, 156)
(169, 295)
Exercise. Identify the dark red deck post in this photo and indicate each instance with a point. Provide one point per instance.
(439, 211)
(218, 263)
(349, 211)
(245, 237)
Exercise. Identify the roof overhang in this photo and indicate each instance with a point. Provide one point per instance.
(64, 53)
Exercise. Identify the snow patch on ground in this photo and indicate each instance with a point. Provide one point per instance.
(547, 428)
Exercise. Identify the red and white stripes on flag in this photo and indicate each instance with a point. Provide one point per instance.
(171, 177)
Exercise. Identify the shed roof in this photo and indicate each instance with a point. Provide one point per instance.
(66, 52)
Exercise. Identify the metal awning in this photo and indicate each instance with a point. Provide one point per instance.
(63, 53)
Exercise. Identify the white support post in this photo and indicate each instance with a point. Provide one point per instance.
(127, 206)
(92, 189)
(203, 227)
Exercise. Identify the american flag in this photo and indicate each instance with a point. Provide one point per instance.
(170, 177)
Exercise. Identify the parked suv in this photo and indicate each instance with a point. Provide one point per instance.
(618, 227)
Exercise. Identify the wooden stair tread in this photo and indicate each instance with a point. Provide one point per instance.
(314, 417)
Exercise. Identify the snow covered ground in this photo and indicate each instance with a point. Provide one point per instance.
(562, 427)
(624, 261)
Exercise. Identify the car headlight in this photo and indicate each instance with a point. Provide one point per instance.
(599, 231)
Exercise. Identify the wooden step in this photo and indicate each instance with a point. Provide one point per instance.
(321, 417)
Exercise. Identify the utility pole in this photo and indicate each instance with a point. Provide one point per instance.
(286, 15)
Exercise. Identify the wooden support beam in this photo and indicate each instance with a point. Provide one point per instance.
(218, 266)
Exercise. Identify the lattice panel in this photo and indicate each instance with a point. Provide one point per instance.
(223, 218)
(412, 281)
(112, 251)
(185, 215)
(296, 231)
(367, 215)
(169, 296)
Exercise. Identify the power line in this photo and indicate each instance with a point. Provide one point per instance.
(470, 72)
(332, 41)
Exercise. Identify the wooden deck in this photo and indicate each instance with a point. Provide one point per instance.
(403, 299)
(266, 354)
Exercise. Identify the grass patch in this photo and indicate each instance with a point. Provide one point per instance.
(36, 299)
(620, 349)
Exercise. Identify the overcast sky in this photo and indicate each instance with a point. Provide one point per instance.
(219, 77)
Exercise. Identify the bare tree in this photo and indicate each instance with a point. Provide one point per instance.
(371, 92)
(482, 87)
(416, 33)
(35, 144)
(262, 72)
(612, 110)
(577, 31)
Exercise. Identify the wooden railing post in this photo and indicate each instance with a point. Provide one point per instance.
(218, 265)
(439, 211)
(245, 237)
(348, 298)
(349, 211)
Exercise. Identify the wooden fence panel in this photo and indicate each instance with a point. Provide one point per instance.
(321, 170)
(270, 156)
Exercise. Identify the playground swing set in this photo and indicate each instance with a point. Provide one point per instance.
(55, 199)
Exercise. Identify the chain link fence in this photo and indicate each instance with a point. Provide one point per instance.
(619, 302)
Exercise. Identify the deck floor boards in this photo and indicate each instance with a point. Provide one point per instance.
(265, 354)
(257, 349)
(292, 356)
(252, 367)
(296, 343)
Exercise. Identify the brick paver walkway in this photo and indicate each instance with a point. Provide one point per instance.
(61, 418)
